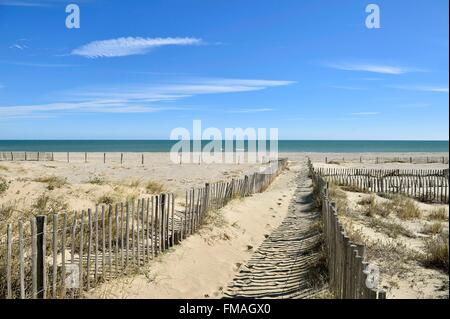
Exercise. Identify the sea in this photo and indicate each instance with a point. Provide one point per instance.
(320, 146)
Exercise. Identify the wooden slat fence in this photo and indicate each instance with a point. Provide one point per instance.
(348, 269)
(424, 185)
(26, 156)
(383, 160)
(63, 255)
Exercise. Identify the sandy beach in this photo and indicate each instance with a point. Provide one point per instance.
(203, 265)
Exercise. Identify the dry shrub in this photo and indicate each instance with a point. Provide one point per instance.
(339, 197)
(406, 208)
(381, 209)
(47, 205)
(3, 168)
(317, 270)
(390, 229)
(355, 235)
(153, 187)
(433, 229)
(106, 199)
(353, 189)
(438, 214)
(334, 162)
(135, 183)
(3, 185)
(367, 200)
(97, 180)
(52, 181)
(436, 253)
(215, 218)
(393, 255)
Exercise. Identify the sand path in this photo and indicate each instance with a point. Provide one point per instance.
(205, 263)
(282, 266)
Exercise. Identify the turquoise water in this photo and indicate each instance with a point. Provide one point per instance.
(165, 146)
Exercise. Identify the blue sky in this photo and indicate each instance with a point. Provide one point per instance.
(138, 69)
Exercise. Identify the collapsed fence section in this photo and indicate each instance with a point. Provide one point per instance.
(64, 255)
(350, 275)
(424, 185)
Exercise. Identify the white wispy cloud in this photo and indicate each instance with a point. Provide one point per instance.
(252, 110)
(372, 68)
(138, 99)
(18, 46)
(128, 46)
(365, 113)
(39, 65)
(343, 87)
(423, 88)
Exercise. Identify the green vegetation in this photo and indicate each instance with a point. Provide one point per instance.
(47, 205)
(433, 229)
(3, 185)
(97, 180)
(436, 252)
(52, 181)
(154, 187)
(438, 214)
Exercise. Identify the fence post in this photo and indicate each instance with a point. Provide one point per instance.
(40, 267)
(9, 261)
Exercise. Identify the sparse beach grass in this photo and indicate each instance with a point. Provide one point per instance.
(438, 214)
(52, 181)
(436, 252)
(3, 185)
(153, 187)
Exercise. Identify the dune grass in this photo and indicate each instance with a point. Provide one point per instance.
(438, 214)
(52, 182)
(153, 187)
(391, 229)
(339, 197)
(433, 229)
(436, 253)
(48, 205)
(3, 185)
(97, 180)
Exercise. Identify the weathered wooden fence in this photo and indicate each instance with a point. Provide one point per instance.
(424, 185)
(350, 275)
(62, 255)
(26, 156)
(129, 157)
(385, 159)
